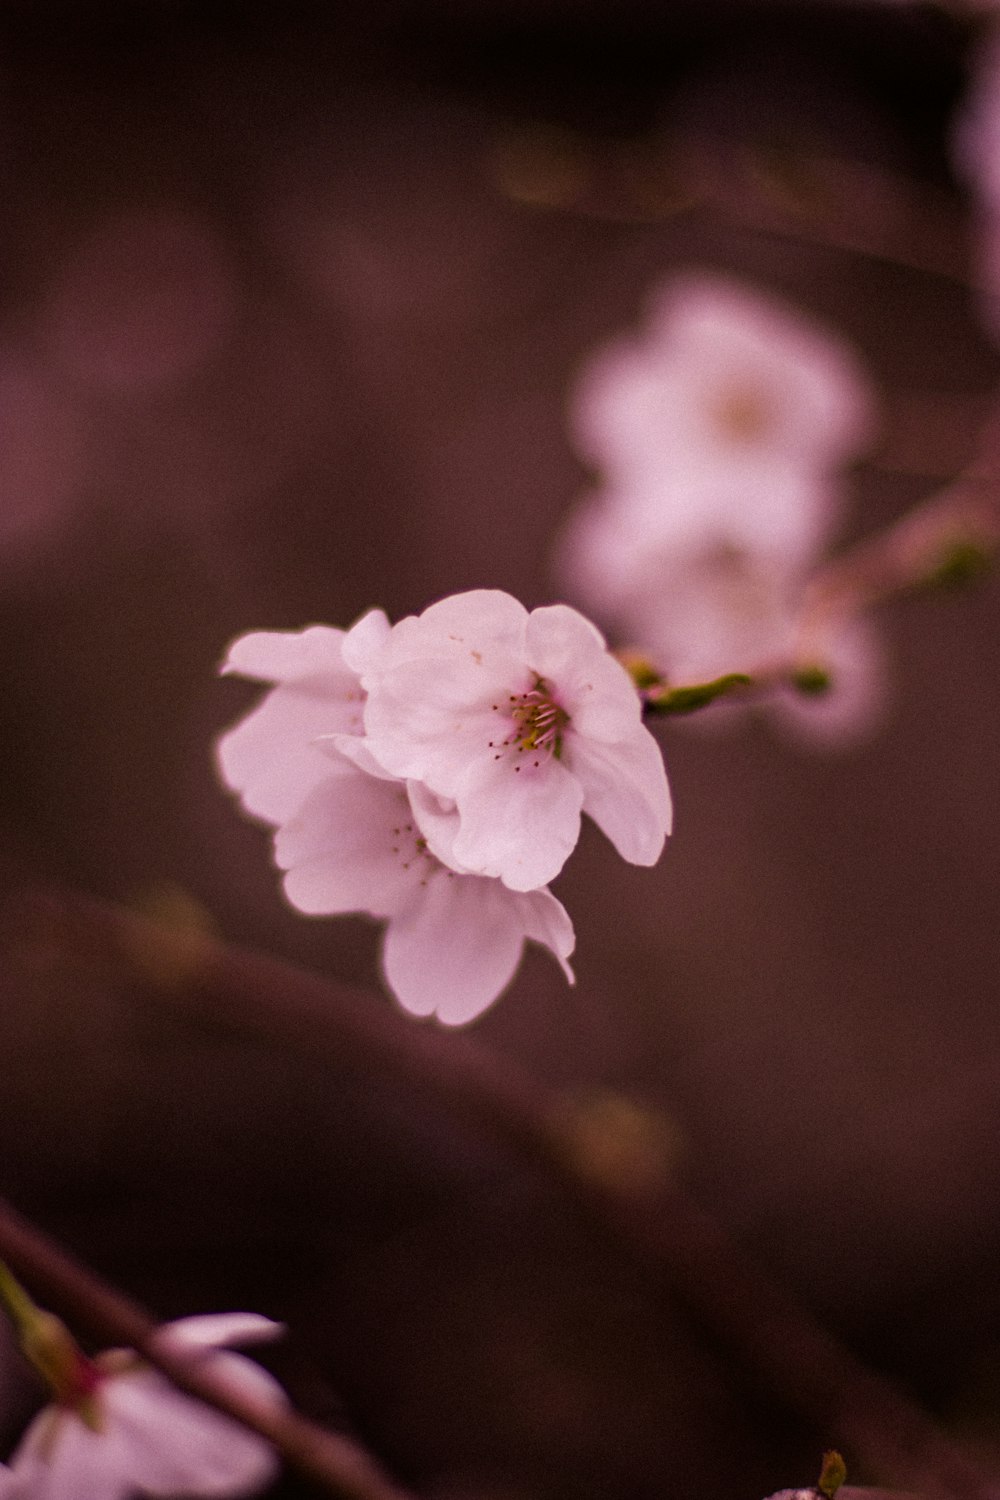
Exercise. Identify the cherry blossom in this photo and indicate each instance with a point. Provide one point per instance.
(367, 843)
(271, 757)
(711, 607)
(718, 435)
(522, 722)
(731, 410)
(354, 838)
(120, 1429)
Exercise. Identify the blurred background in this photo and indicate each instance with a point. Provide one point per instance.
(290, 307)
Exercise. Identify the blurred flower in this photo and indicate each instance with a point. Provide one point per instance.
(717, 436)
(144, 299)
(522, 721)
(728, 414)
(120, 1429)
(43, 459)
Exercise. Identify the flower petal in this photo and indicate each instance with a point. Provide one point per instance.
(626, 793)
(476, 625)
(455, 949)
(217, 1330)
(272, 757)
(286, 655)
(352, 847)
(365, 639)
(545, 920)
(59, 1458)
(269, 757)
(518, 825)
(426, 718)
(170, 1444)
(593, 688)
(438, 821)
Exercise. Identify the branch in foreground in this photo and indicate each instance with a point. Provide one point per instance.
(343, 1468)
(773, 1339)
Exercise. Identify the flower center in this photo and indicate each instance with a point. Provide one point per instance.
(537, 724)
(741, 414)
(410, 848)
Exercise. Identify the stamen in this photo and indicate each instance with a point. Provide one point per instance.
(539, 720)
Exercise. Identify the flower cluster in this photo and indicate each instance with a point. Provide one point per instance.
(118, 1429)
(434, 773)
(718, 436)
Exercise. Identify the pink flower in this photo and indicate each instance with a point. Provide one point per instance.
(365, 843)
(519, 721)
(271, 757)
(718, 433)
(130, 1432)
(354, 838)
(729, 411)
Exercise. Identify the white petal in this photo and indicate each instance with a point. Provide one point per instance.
(477, 624)
(365, 639)
(545, 920)
(60, 1459)
(171, 1444)
(438, 821)
(358, 751)
(626, 793)
(217, 1330)
(454, 950)
(593, 688)
(271, 757)
(286, 655)
(426, 718)
(519, 825)
(559, 639)
(352, 847)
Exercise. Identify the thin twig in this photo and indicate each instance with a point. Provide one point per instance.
(951, 536)
(58, 1279)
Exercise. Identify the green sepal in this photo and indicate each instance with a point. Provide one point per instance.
(813, 681)
(685, 700)
(832, 1474)
(48, 1344)
(961, 562)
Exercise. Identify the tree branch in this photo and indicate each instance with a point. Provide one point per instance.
(773, 1338)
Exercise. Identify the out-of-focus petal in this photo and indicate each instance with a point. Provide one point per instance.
(855, 703)
(217, 1331)
(174, 1445)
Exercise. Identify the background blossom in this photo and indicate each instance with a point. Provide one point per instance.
(150, 1438)
(718, 436)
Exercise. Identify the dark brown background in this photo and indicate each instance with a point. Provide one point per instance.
(390, 241)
